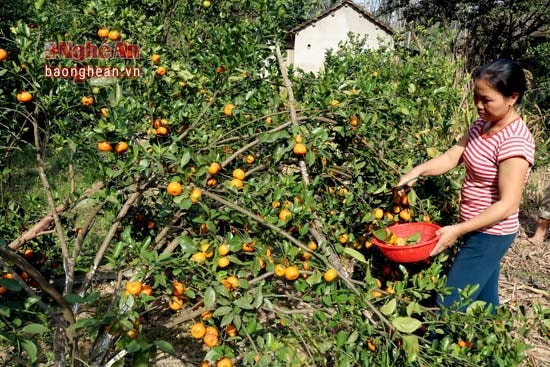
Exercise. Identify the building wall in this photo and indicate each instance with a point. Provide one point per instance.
(312, 42)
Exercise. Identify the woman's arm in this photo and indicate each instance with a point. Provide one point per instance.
(511, 181)
(438, 165)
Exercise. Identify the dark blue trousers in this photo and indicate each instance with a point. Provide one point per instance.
(477, 262)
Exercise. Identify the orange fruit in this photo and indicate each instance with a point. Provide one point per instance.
(212, 330)
(231, 330)
(223, 249)
(114, 35)
(133, 287)
(103, 32)
(250, 159)
(204, 364)
(405, 200)
(155, 58)
(376, 294)
(28, 254)
(206, 315)
(298, 139)
(198, 330)
(334, 103)
(400, 241)
(87, 101)
(207, 249)
(161, 130)
(223, 262)
(353, 121)
(292, 273)
(236, 183)
(174, 188)
(276, 204)
(146, 290)
(330, 275)
(224, 362)
(132, 334)
(161, 70)
(195, 195)
(239, 174)
(3, 54)
(371, 345)
(307, 255)
(343, 238)
(210, 340)
(214, 168)
(248, 247)
(121, 147)
(8, 276)
(177, 288)
(299, 149)
(199, 257)
(211, 182)
(312, 245)
(378, 213)
(233, 281)
(104, 112)
(24, 97)
(228, 109)
(426, 218)
(3, 290)
(285, 215)
(279, 270)
(175, 303)
(405, 215)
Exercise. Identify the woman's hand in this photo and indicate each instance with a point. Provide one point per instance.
(447, 237)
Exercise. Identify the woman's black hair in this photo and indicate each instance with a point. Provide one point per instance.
(505, 75)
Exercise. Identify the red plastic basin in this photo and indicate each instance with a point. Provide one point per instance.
(412, 253)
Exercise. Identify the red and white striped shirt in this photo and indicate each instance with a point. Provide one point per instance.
(481, 158)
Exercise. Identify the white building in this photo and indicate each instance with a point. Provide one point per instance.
(310, 41)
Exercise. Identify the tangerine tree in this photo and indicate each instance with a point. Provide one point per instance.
(232, 193)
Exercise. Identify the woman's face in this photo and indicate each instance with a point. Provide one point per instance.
(490, 103)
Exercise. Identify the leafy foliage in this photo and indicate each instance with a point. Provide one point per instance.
(366, 119)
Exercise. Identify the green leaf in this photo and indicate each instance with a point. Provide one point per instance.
(382, 234)
(406, 324)
(244, 303)
(30, 348)
(221, 311)
(414, 238)
(165, 346)
(209, 298)
(389, 307)
(432, 152)
(412, 197)
(413, 307)
(187, 244)
(74, 298)
(341, 338)
(353, 337)
(355, 254)
(410, 345)
(34, 329)
(185, 158)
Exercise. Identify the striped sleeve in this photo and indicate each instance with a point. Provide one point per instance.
(521, 145)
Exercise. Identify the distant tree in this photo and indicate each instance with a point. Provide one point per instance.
(485, 29)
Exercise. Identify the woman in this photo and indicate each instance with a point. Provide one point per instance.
(498, 153)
